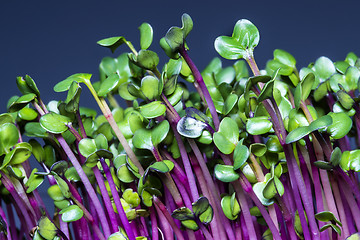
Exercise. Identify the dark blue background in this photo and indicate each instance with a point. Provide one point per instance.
(51, 40)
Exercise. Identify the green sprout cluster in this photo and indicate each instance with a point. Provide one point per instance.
(260, 154)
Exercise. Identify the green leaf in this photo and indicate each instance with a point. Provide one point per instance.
(241, 154)
(124, 174)
(190, 127)
(335, 156)
(159, 132)
(229, 103)
(159, 167)
(258, 190)
(285, 58)
(241, 44)
(182, 214)
(19, 154)
(345, 99)
(336, 228)
(151, 87)
(9, 136)
(324, 68)
(113, 42)
(142, 139)
(46, 228)
(109, 84)
(28, 114)
(258, 149)
(146, 35)
(54, 123)
(87, 146)
(71, 214)
(320, 123)
(273, 186)
(64, 188)
(340, 126)
(326, 216)
(231, 212)
(27, 85)
(59, 167)
(34, 181)
(145, 59)
(355, 236)
(323, 165)
(306, 85)
(21, 102)
(175, 37)
(153, 109)
(225, 173)
(228, 135)
(190, 224)
(297, 134)
(200, 206)
(37, 150)
(65, 84)
(267, 91)
(258, 125)
(131, 197)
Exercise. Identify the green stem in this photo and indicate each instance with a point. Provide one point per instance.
(108, 115)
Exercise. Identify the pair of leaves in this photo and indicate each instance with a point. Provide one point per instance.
(94, 149)
(146, 37)
(300, 132)
(230, 206)
(327, 216)
(241, 44)
(227, 137)
(202, 212)
(150, 138)
(175, 37)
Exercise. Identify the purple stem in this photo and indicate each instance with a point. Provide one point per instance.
(298, 183)
(177, 170)
(19, 202)
(82, 224)
(349, 217)
(340, 206)
(186, 162)
(144, 230)
(2, 214)
(64, 228)
(161, 209)
(248, 189)
(81, 125)
(117, 201)
(154, 226)
(351, 183)
(304, 171)
(87, 185)
(206, 192)
(250, 229)
(244, 229)
(11, 222)
(202, 85)
(106, 199)
(352, 204)
(214, 199)
(183, 192)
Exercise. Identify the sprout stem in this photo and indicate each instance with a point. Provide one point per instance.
(202, 85)
(106, 199)
(161, 209)
(87, 185)
(117, 201)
